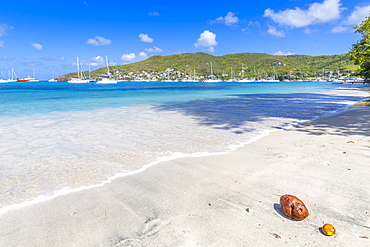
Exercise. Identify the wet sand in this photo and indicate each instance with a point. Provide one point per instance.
(222, 200)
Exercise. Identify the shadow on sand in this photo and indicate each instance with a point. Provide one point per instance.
(234, 112)
(342, 124)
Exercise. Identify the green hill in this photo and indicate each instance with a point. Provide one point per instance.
(255, 64)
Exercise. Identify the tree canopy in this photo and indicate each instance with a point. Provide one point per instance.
(253, 65)
(360, 52)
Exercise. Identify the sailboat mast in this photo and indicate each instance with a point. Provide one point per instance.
(78, 68)
(106, 58)
(89, 71)
(242, 70)
(14, 74)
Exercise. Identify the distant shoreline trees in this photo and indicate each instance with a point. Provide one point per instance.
(360, 52)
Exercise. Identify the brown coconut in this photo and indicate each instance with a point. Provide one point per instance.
(293, 207)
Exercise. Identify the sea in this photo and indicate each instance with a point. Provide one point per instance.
(58, 137)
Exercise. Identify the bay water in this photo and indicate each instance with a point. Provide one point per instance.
(57, 137)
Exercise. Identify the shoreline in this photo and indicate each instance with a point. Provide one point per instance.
(226, 199)
(175, 156)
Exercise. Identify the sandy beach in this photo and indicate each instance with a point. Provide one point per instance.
(222, 200)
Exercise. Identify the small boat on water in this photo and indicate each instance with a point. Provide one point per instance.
(53, 79)
(77, 79)
(211, 80)
(28, 79)
(13, 76)
(80, 76)
(245, 80)
(106, 79)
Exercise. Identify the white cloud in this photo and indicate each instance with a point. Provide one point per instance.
(37, 46)
(317, 13)
(276, 33)
(132, 57)
(1, 43)
(153, 13)
(97, 61)
(53, 58)
(128, 57)
(145, 38)
(254, 23)
(282, 53)
(97, 41)
(229, 20)
(4, 28)
(340, 29)
(309, 31)
(143, 54)
(206, 41)
(357, 16)
(154, 49)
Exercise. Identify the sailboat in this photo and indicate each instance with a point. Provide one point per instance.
(243, 79)
(192, 79)
(232, 76)
(275, 79)
(29, 78)
(13, 79)
(106, 79)
(212, 77)
(3, 80)
(79, 78)
(53, 79)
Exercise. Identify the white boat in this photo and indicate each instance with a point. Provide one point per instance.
(211, 78)
(189, 80)
(106, 79)
(79, 78)
(245, 80)
(13, 77)
(53, 80)
(269, 80)
(28, 79)
(192, 78)
(3, 80)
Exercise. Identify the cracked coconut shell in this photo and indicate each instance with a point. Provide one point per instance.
(293, 207)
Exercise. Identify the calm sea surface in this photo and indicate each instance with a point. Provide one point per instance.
(57, 137)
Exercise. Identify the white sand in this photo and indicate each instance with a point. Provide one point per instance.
(205, 201)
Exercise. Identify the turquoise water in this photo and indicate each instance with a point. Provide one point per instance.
(58, 136)
(19, 99)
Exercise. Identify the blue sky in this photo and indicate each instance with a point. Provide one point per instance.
(46, 36)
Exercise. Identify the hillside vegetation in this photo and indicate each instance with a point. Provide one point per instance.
(254, 65)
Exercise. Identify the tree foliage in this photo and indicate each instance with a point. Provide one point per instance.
(252, 65)
(360, 52)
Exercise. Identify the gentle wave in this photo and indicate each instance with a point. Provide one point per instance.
(56, 153)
